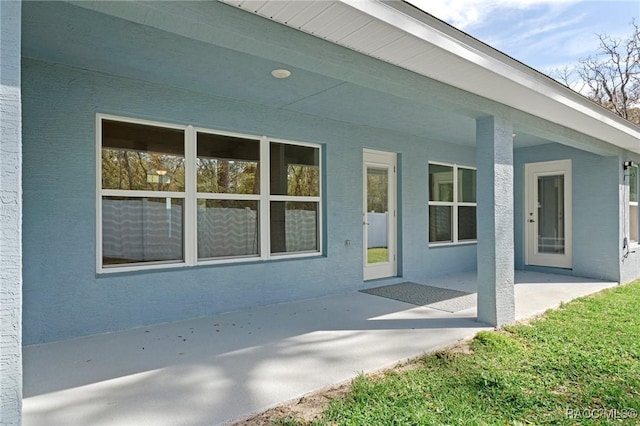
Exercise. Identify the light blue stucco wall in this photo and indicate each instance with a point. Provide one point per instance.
(595, 201)
(630, 264)
(10, 215)
(63, 295)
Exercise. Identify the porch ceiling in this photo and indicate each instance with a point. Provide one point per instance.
(76, 36)
(400, 34)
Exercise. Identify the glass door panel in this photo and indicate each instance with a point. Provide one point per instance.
(551, 214)
(377, 214)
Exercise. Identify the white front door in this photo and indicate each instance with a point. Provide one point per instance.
(379, 214)
(548, 214)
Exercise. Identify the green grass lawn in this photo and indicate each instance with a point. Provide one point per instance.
(377, 255)
(576, 365)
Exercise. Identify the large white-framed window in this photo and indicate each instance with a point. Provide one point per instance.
(633, 204)
(177, 195)
(452, 204)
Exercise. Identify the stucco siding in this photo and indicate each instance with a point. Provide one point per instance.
(60, 104)
(10, 215)
(630, 264)
(595, 210)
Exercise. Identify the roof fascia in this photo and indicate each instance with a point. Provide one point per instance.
(437, 33)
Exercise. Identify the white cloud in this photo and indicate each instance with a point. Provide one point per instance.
(540, 33)
(536, 32)
(466, 13)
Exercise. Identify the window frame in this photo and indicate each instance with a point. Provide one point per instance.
(191, 196)
(193, 184)
(266, 239)
(455, 204)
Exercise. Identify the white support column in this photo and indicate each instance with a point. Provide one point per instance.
(494, 160)
(10, 215)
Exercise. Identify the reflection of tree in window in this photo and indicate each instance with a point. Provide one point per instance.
(228, 165)
(140, 157)
(302, 179)
(377, 190)
(295, 170)
(143, 198)
(294, 174)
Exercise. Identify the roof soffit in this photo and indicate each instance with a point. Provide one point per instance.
(399, 34)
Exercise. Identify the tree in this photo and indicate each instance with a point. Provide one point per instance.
(611, 77)
(141, 170)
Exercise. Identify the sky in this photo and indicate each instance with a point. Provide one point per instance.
(544, 34)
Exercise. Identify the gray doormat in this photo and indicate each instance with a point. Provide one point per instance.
(424, 295)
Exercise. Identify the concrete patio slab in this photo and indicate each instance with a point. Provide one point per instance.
(222, 368)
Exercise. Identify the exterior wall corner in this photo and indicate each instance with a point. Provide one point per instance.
(10, 214)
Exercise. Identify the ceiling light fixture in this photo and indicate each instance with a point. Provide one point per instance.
(281, 73)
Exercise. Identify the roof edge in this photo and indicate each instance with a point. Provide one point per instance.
(432, 30)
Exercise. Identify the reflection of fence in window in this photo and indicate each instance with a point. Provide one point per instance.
(377, 229)
(141, 230)
(301, 230)
(551, 245)
(224, 232)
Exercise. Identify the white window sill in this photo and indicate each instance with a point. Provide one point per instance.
(451, 244)
(209, 262)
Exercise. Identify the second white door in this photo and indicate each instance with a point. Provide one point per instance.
(548, 214)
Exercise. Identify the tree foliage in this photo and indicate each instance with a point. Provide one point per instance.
(611, 77)
(377, 191)
(150, 171)
(303, 180)
(228, 176)
(140, 170)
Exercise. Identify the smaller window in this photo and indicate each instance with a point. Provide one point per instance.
(452, 204)
(633, 204)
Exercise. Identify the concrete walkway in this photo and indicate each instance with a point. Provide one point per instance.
(222, 368)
